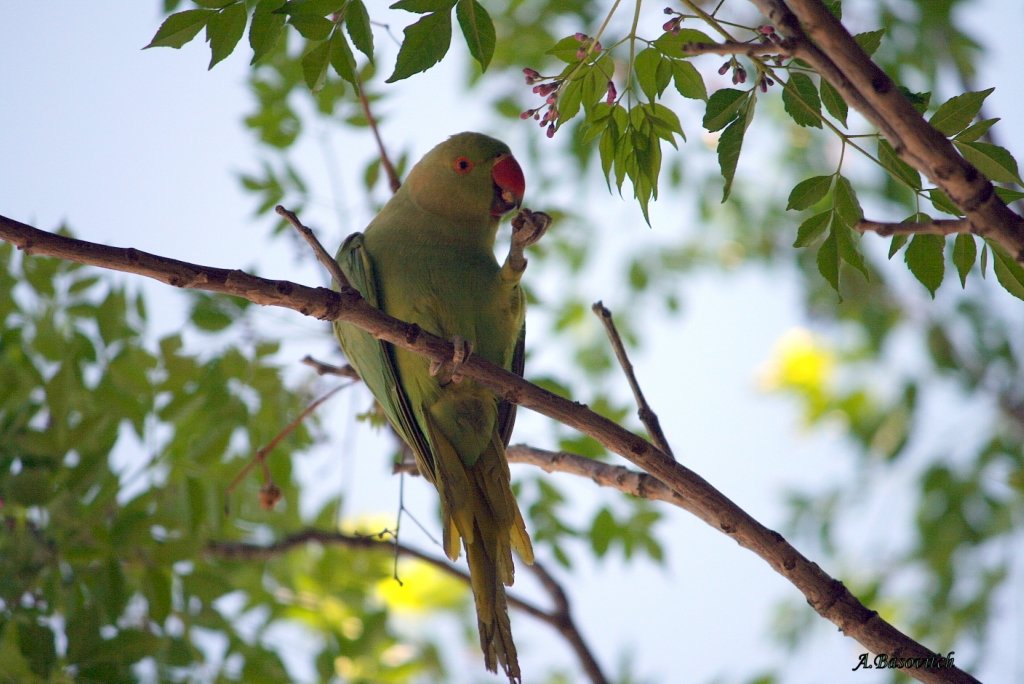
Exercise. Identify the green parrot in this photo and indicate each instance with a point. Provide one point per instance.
(428, 258)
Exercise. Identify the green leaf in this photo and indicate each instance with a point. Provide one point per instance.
(602, 530)
(312, 26)
(896, 244)
(833, 101)
(688, 80)
(424, 6)
(847, 205)
(1009, 273)
(956, 113)
(812, 228)
(943, 203)
(723, 106)
(828, 260)
(318, 8)
(918, 101)
(565, 50)
(729, 145)
(645, 66)
(800, 98)
(975, 131)
(925, 260)
(314, 66)
(224, 30)
(478, 29)
(896, 166)
(341, 58)
(180, 28)
(426, 43)
(671, 44)
(992, 160)
(808, 192)
(870, 40)
(357, 22)
(965, 251)
(1009, 195)
(265, 29)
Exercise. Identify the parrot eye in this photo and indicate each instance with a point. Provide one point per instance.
(462, 165)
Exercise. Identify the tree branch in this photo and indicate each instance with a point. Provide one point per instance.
(559, 618)
(647, 416)
(826, 595)
(735, 47)
(937, 227)
(819, 39)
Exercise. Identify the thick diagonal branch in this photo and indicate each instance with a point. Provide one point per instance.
(825, 594)
(818, 38)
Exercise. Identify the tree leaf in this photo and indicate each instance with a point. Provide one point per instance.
(645, 66)
(1009, 273)
(943, 203)
(224, 30)
(869, 41)
(896, 166)
(180, 28)
(828, 260)
(723, 106)
(965, 251)
(992, 160)
(357, 22)
(846, 204)
(833, 101)
(729, 145)
(812, 228)
(925, 260)
(426, 43)
(976, 130)
(956, 113)
(314, 66)
(341, 58)
(265, 29)
(478, 30)
(808, 192)
(688, 80)
(312, 26)
(800, 98)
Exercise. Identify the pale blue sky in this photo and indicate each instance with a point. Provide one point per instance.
(140, 148)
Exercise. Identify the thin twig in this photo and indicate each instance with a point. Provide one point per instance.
(323, 368)
(385, 161)
(824, 594)
(733, 47)
(269, 493)
(560, 618)
(647, 416)
(322, 254)
(936, 227)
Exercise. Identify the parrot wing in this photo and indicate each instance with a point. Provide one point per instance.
(506, 409)
(374, 358)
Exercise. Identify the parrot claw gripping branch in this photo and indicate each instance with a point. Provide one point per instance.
(428, 259)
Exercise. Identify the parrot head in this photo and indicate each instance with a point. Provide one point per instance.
(468, 177)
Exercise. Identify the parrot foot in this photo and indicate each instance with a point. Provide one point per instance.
(527, 228)
(448, 371)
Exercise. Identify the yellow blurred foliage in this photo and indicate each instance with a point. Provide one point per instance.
(800, 363)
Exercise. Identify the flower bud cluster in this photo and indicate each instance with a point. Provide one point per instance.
(672, 25)
(549, 91)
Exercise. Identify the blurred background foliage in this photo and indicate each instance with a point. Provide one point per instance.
(116, 449)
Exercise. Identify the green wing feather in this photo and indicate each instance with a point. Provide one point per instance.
(375, 359)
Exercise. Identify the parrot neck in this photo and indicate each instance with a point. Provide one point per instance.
(440, 228)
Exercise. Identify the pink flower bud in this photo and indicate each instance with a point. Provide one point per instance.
(669, 10)
(580, 36)
(766, 29)
(527, 114)
(668, 25)
(721, 71)
(581, 53)
(612, 93)
(551, 131)
(531, 75)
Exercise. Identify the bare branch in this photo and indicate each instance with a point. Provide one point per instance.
(647, 416)
(826, 595)
(560, 618)
(936, 227)
(734, 47)
(822, 41)
(385, 161)
(322, 254)
(323, 368)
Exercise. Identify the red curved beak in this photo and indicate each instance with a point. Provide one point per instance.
(510, 185)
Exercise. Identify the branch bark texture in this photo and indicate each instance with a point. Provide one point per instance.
(817, 37)
(828, 596)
